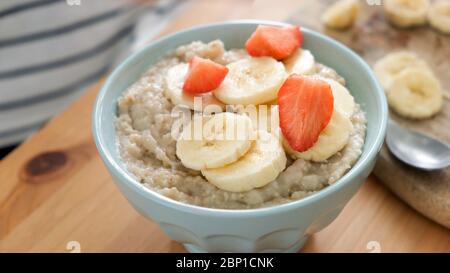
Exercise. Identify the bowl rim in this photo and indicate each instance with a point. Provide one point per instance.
(115, 168)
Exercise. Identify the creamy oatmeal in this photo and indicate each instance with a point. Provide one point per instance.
(148, 150)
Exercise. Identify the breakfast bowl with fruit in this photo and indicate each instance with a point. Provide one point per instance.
(244, 136)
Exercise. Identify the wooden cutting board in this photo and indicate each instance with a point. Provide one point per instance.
(373, 37)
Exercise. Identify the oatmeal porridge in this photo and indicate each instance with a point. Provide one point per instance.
(302, 160)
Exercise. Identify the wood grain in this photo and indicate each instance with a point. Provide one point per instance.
(54, 188)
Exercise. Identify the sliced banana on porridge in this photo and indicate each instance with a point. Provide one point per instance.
(214, 142)
(174, 81)
(331, 140)
(266, 117)
(415, 93)
(301, 62)
(274, 92)
(406, 13)
(392, 64)
(331, 133)
(251, 81)
(260, 166)
(342, 14)
(305, 107)
(439, 15)
(343, 100)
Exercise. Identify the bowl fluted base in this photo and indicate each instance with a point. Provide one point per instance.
(293, 249)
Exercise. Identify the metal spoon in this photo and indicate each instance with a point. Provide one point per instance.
(417, 150)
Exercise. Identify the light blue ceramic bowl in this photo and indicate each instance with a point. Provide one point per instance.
(282, 228)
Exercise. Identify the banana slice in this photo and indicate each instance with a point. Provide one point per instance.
(332, 139)
(439, 16)
(224, 138)
(251, 81)
(260, 166)
(342, 14)
(389, 66)
(415, 93)
(343, 100)
(266, 117)
(301, 62)
(174, 91)
(446, 94)
(406, 13)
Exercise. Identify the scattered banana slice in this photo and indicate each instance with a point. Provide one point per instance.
(406, 13)
(439, 16)
(332, 139)
(301, 62)
(341, 14)
(415, 93)
(343, 100)
(222, 140)
(260, 166)
(251, 81)
(389, 66)
(446, 94)
(174, 90)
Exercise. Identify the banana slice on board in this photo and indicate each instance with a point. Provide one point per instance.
(219, 141)
(446, 94)
(173, 90)
(439, 15)
(301, 62)
(415, 93)
(260, 166)
(392, 64)
(341, 14)
(406, 13)
(251, 81)
(331, 140)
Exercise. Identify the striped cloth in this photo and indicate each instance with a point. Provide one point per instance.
(51, 50)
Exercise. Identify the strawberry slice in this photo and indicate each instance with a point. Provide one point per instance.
(305, 106)
(203, 76)
(275, 42)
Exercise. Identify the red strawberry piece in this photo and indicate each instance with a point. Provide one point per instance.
(203, 76)
(276, 42)
(305, 107)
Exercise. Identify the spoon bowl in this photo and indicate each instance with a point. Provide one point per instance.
(416, 149)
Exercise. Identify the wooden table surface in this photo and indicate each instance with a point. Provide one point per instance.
(56, 195)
